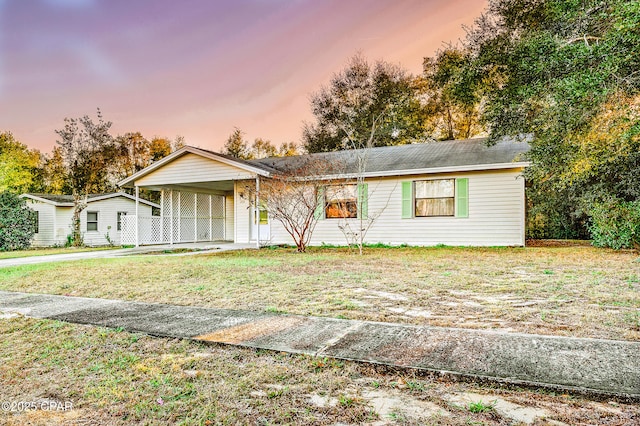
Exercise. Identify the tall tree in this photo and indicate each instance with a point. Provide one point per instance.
(263, 148)
(360, 98)
(83, 146)
(560, 68)
(54, 173)
(236, 146)
(19, 165)
(451, 94)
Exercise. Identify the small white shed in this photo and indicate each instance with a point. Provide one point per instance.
(100, 222)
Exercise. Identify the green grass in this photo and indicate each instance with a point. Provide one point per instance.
(47, 251)
(573, 291)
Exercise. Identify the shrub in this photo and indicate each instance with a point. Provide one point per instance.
(615, 224)
(17, 222)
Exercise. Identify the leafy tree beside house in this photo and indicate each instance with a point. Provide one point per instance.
(19, 165)
(84, 147)
(566, 72)
(18, 222)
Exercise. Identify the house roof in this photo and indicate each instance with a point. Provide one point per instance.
(67, 200)
(428, 157)
(453, 155)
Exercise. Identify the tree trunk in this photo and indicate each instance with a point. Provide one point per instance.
(78, 205)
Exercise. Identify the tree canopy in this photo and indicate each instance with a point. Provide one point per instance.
(19, 166)
(567, 73)
(364, 100)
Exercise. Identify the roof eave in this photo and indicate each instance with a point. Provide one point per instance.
(429, 170)
(130, 181)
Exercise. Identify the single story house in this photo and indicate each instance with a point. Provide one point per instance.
(461, 192)
(100, 222)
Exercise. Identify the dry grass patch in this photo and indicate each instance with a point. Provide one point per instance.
(573, 291)
(49, 250)
(118, 378)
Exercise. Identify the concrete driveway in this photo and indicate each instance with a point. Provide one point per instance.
(198, 248)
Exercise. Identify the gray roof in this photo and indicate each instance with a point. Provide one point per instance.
(67, 200)
(420, 156)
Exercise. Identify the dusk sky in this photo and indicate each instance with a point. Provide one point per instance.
(197, 68)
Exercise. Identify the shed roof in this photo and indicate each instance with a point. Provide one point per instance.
(67, 200)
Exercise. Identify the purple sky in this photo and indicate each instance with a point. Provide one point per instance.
(197, 68)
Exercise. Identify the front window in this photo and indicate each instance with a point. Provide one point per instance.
(92, 221)
(341, 201)
(434, 197)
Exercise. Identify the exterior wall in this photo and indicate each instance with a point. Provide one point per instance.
(46, 223)
(229, 219)
(63, 224)
(108, 217)
(496, 215)
(242, 212)
(192, 168)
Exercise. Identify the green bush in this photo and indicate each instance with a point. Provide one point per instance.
(615, 224)
(17, 222)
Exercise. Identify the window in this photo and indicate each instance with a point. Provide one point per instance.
(92, 221)
(434, 197)
(263, 215)
(120, 214)
(36, 220)
(341, 201)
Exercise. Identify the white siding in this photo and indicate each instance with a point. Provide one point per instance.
(46, 223)
(192, 168)
(242, 213)
(63, 224)
(229, 217)
(107, 217)
(496, 215)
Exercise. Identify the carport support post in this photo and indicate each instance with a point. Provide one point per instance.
(210, 220)
(137, 216)
(256, 216)
(171, 216)
(161, 216)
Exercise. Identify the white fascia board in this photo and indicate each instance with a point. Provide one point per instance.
(121, 194)
(432, 170)
(190, 150)
(43, 200)
(449, 169)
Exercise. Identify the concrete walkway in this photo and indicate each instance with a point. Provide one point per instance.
(198, 248)
(605, 367)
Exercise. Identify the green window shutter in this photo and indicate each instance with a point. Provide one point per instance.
(319, 213)
(407, 199)
(363, 200)
(462, 197)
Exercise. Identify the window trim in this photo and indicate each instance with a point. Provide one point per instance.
(415, 199)
(97, 221)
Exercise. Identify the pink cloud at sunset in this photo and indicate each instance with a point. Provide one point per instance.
(198, 68)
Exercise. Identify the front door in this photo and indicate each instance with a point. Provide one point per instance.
(260, 220)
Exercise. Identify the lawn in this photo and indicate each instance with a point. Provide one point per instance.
(572, 291)
(49, 250)
(118, 378)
